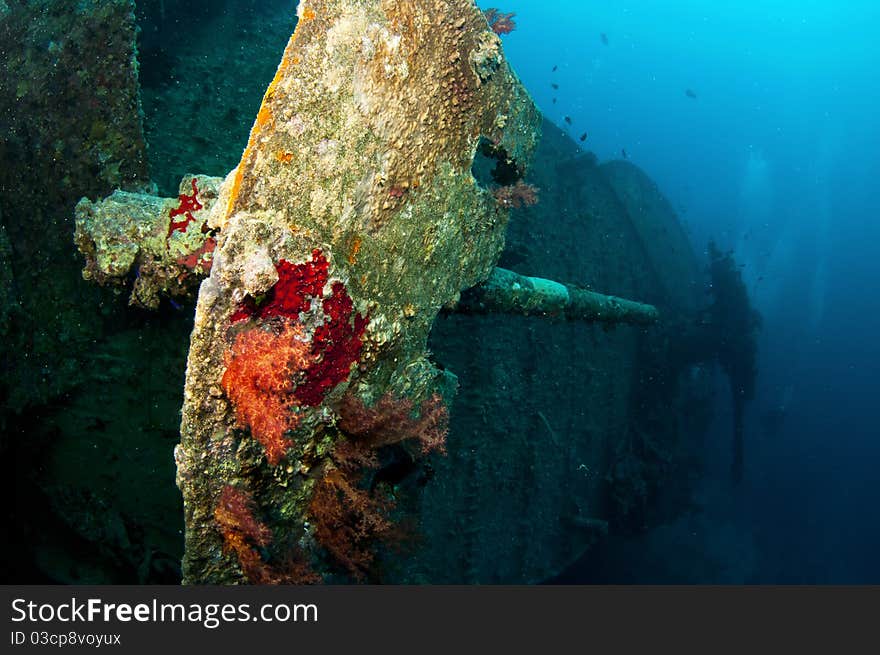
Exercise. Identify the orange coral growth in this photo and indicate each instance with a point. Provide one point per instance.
(355, 249)
(235, 513)
(264, 116)
(259, 380)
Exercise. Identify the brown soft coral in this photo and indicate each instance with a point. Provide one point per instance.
(349, 517)
(243, 533)
(390, 421)
(348, 520)
(499, 22)
(261, 367)
(516, 195)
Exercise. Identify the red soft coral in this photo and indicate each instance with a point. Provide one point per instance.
(259, 381)
(336, 343)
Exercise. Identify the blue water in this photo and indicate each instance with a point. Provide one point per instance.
(778, 158)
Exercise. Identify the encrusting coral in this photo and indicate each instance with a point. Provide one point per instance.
(162, 247)
(293, 292)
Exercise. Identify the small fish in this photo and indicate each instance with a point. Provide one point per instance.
(554, 101)
(623, 152)
(604, 38)
(554, 69)
(555, 86)
(690, 93)
(583, 136)
(175, 304)
(568, 120)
